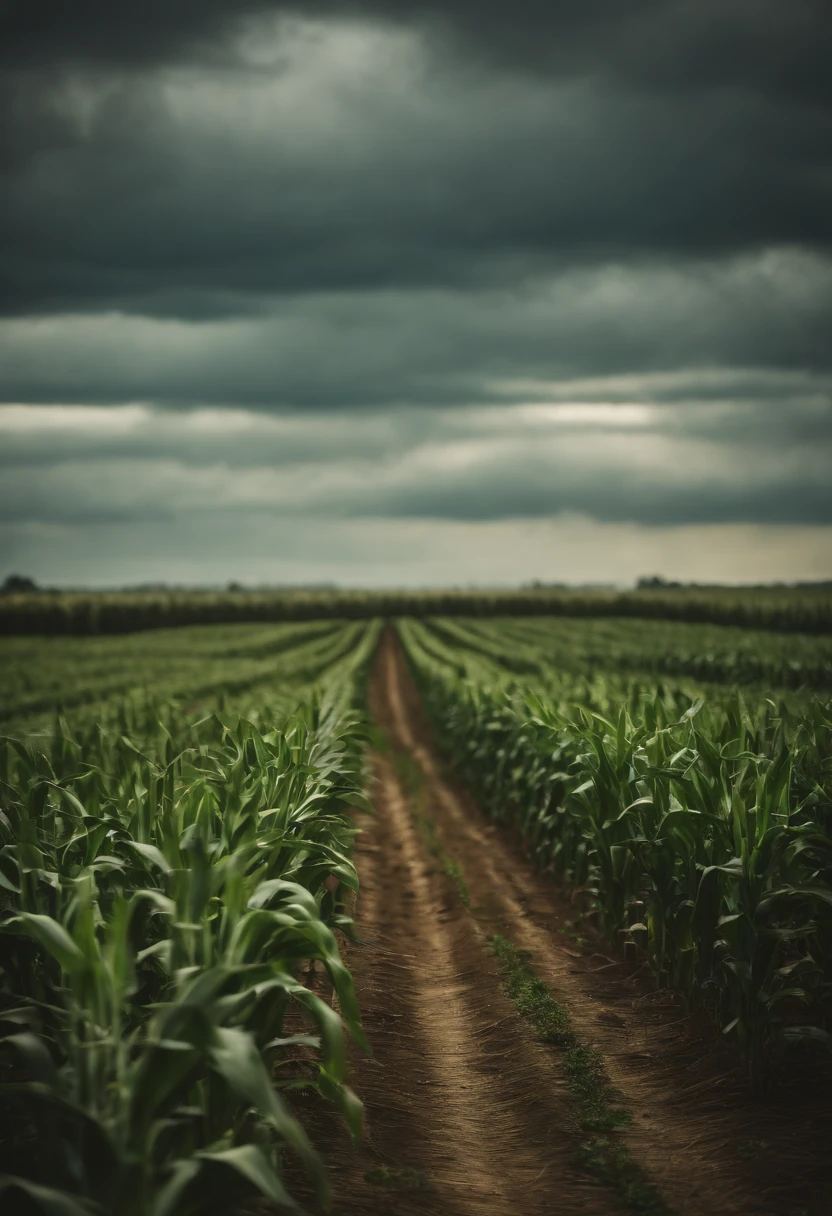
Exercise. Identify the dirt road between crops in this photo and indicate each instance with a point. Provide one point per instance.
(465, 1110)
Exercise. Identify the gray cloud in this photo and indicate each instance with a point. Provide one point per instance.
(438, 347)
(337, 259)
(360, 157)
(453, 465)
(672, 43)
(535, 489)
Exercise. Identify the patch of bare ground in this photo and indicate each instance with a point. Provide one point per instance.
(462, 1114)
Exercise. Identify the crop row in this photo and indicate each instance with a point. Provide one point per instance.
(41, 675)
(712, 822)
(704, 654)
(161, 884)
(48, 665)
(790, 609)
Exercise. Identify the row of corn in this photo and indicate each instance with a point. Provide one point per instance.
(712, 820)
(667, 651)
(804, 609)
(163, 884)
(83, 675)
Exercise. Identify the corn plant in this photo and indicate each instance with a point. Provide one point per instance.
(160, 884)
(714, 819)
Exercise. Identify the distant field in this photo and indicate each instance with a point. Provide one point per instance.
(676, 652)
(802, 609)
(91, 675)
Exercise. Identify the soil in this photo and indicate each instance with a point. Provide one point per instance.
(466, 1110)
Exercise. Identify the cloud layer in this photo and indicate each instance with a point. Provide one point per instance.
(342, 157)
(317, 262)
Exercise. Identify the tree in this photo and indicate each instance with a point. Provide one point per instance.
(18, 584)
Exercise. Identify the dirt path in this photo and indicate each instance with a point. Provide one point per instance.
(466, 1110)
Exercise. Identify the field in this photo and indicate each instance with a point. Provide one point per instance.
(805, 609)
(694, 814)
(170, 857)
(586, 930)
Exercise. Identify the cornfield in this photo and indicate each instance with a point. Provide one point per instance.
(694, 820)
(176, 850)
(163, 873)
(789, 609)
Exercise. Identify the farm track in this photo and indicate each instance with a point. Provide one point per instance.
(461, 1093)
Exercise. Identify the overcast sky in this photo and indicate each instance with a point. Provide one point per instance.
(430, 292)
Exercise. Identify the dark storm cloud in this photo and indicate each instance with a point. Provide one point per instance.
(391, 217)
(644, 465)
(764, 44)
(651, 130)
(443, 347)
(738, 433)
(618, 495)
(491, 492)
(143, 217)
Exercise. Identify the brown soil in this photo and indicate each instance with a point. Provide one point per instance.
(460, 1092)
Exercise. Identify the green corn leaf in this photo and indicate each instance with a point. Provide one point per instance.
(46, 1199)
(151, 854)
(236, 1058)
(199, 1181)
(52, 937)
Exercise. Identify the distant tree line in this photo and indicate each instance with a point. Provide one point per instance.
(18, 584)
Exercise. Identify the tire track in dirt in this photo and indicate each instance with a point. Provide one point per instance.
(457, 1091)
(493, 1140)
(688, 1122)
